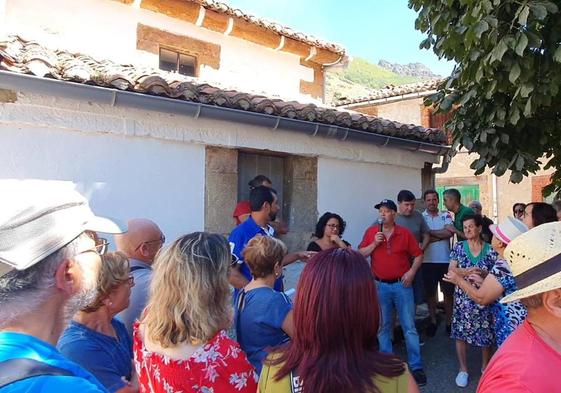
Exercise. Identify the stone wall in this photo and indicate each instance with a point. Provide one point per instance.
(300, 200)
(221, 185)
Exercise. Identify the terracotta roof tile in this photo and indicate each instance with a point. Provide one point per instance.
(27, 57)
(224, 8)
(393, 91)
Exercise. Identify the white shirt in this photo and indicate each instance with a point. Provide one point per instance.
(438, 252)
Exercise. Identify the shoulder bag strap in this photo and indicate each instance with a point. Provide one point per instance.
(19, 369)
(240, 306)
(296, 384)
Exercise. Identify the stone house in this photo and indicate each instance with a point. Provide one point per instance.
(168, 109)
(497, 195)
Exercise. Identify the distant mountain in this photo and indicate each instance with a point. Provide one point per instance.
(361, 77)
(412, 69)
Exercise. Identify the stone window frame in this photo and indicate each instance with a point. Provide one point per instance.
(181, 52)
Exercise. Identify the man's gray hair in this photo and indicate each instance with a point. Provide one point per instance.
(477, 204)
(23, 291)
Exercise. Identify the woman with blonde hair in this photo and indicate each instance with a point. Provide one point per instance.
(180, 343)
(263, 315)
(95, 339)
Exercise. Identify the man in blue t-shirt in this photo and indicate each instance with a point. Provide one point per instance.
(49, 262)
(264, 208)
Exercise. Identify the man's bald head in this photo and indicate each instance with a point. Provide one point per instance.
(142, 240)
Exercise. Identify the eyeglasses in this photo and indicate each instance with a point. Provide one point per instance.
(519, 211)
(161, 239)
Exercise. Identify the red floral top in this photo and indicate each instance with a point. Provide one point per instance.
(220, 366)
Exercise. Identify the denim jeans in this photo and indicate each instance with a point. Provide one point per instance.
(396, 296)
(419, 288)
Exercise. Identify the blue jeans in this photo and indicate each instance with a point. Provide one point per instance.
(396, 296)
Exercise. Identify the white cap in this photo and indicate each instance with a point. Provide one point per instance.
(39, 217)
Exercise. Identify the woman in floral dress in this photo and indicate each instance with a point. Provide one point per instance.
(180, 344)
(498, 283)
(471, 323)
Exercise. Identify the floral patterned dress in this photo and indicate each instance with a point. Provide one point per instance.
(507, 317)
(472, 322)
(219, 366)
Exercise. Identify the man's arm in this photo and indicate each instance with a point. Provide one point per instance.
(458, 233)
(426, 240)
(236, 279)
(408, 277)
(297, 256)
(441, 234)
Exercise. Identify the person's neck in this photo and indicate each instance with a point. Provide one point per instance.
(433, 212)
(474, 243)
(99, 320)
(388, 226)
(268, 281)
(46, 322)
(546, 326)
(260, 219)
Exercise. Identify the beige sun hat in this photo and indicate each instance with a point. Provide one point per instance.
(535, 260)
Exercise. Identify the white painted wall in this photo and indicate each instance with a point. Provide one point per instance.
(123, 177)
(151, 164)
(351, 189)
(63, 113)
(106, 29)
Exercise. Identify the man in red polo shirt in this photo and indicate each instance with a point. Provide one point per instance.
(391, 249)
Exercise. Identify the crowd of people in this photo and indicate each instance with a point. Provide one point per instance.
(209, 314)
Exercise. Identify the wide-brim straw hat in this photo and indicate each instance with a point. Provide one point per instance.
(508, 230)
(535, 260)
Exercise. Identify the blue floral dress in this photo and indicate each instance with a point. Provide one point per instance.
(508, 316)
(472, 322)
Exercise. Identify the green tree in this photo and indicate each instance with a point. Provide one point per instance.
(505, 87)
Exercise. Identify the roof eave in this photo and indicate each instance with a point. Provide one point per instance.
(114, 97)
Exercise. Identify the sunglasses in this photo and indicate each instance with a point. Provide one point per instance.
(101, 244)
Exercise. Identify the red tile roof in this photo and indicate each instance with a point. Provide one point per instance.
(392, 91)
(28, 57)
(224, 8)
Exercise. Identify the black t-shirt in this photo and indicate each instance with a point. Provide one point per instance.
(313, 246)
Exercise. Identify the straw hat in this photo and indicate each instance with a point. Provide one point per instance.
(535, 260)
(508, 230)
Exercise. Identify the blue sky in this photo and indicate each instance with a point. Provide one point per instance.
(372, 29)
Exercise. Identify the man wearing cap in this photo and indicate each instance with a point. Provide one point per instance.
(48, 271)
(140, 243)
(391, 249)
(530, 359)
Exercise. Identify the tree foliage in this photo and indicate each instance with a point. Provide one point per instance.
(505, 88)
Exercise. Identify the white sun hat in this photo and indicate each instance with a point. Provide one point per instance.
(508, 230)
(39, 217)
(535, 260)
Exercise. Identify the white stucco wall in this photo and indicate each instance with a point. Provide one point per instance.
(351, 189)
(123, 177)
(143, 163)
(106, 29)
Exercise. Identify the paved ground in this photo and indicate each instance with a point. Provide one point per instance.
(438, 353)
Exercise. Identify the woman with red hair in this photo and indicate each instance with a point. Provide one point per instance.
(334, 348)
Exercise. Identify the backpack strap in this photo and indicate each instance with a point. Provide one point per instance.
(19, 369)
(240, 307)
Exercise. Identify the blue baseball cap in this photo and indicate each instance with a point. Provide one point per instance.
(387, 203)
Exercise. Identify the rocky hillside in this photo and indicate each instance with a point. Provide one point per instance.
(361, 77)
(412, 69)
